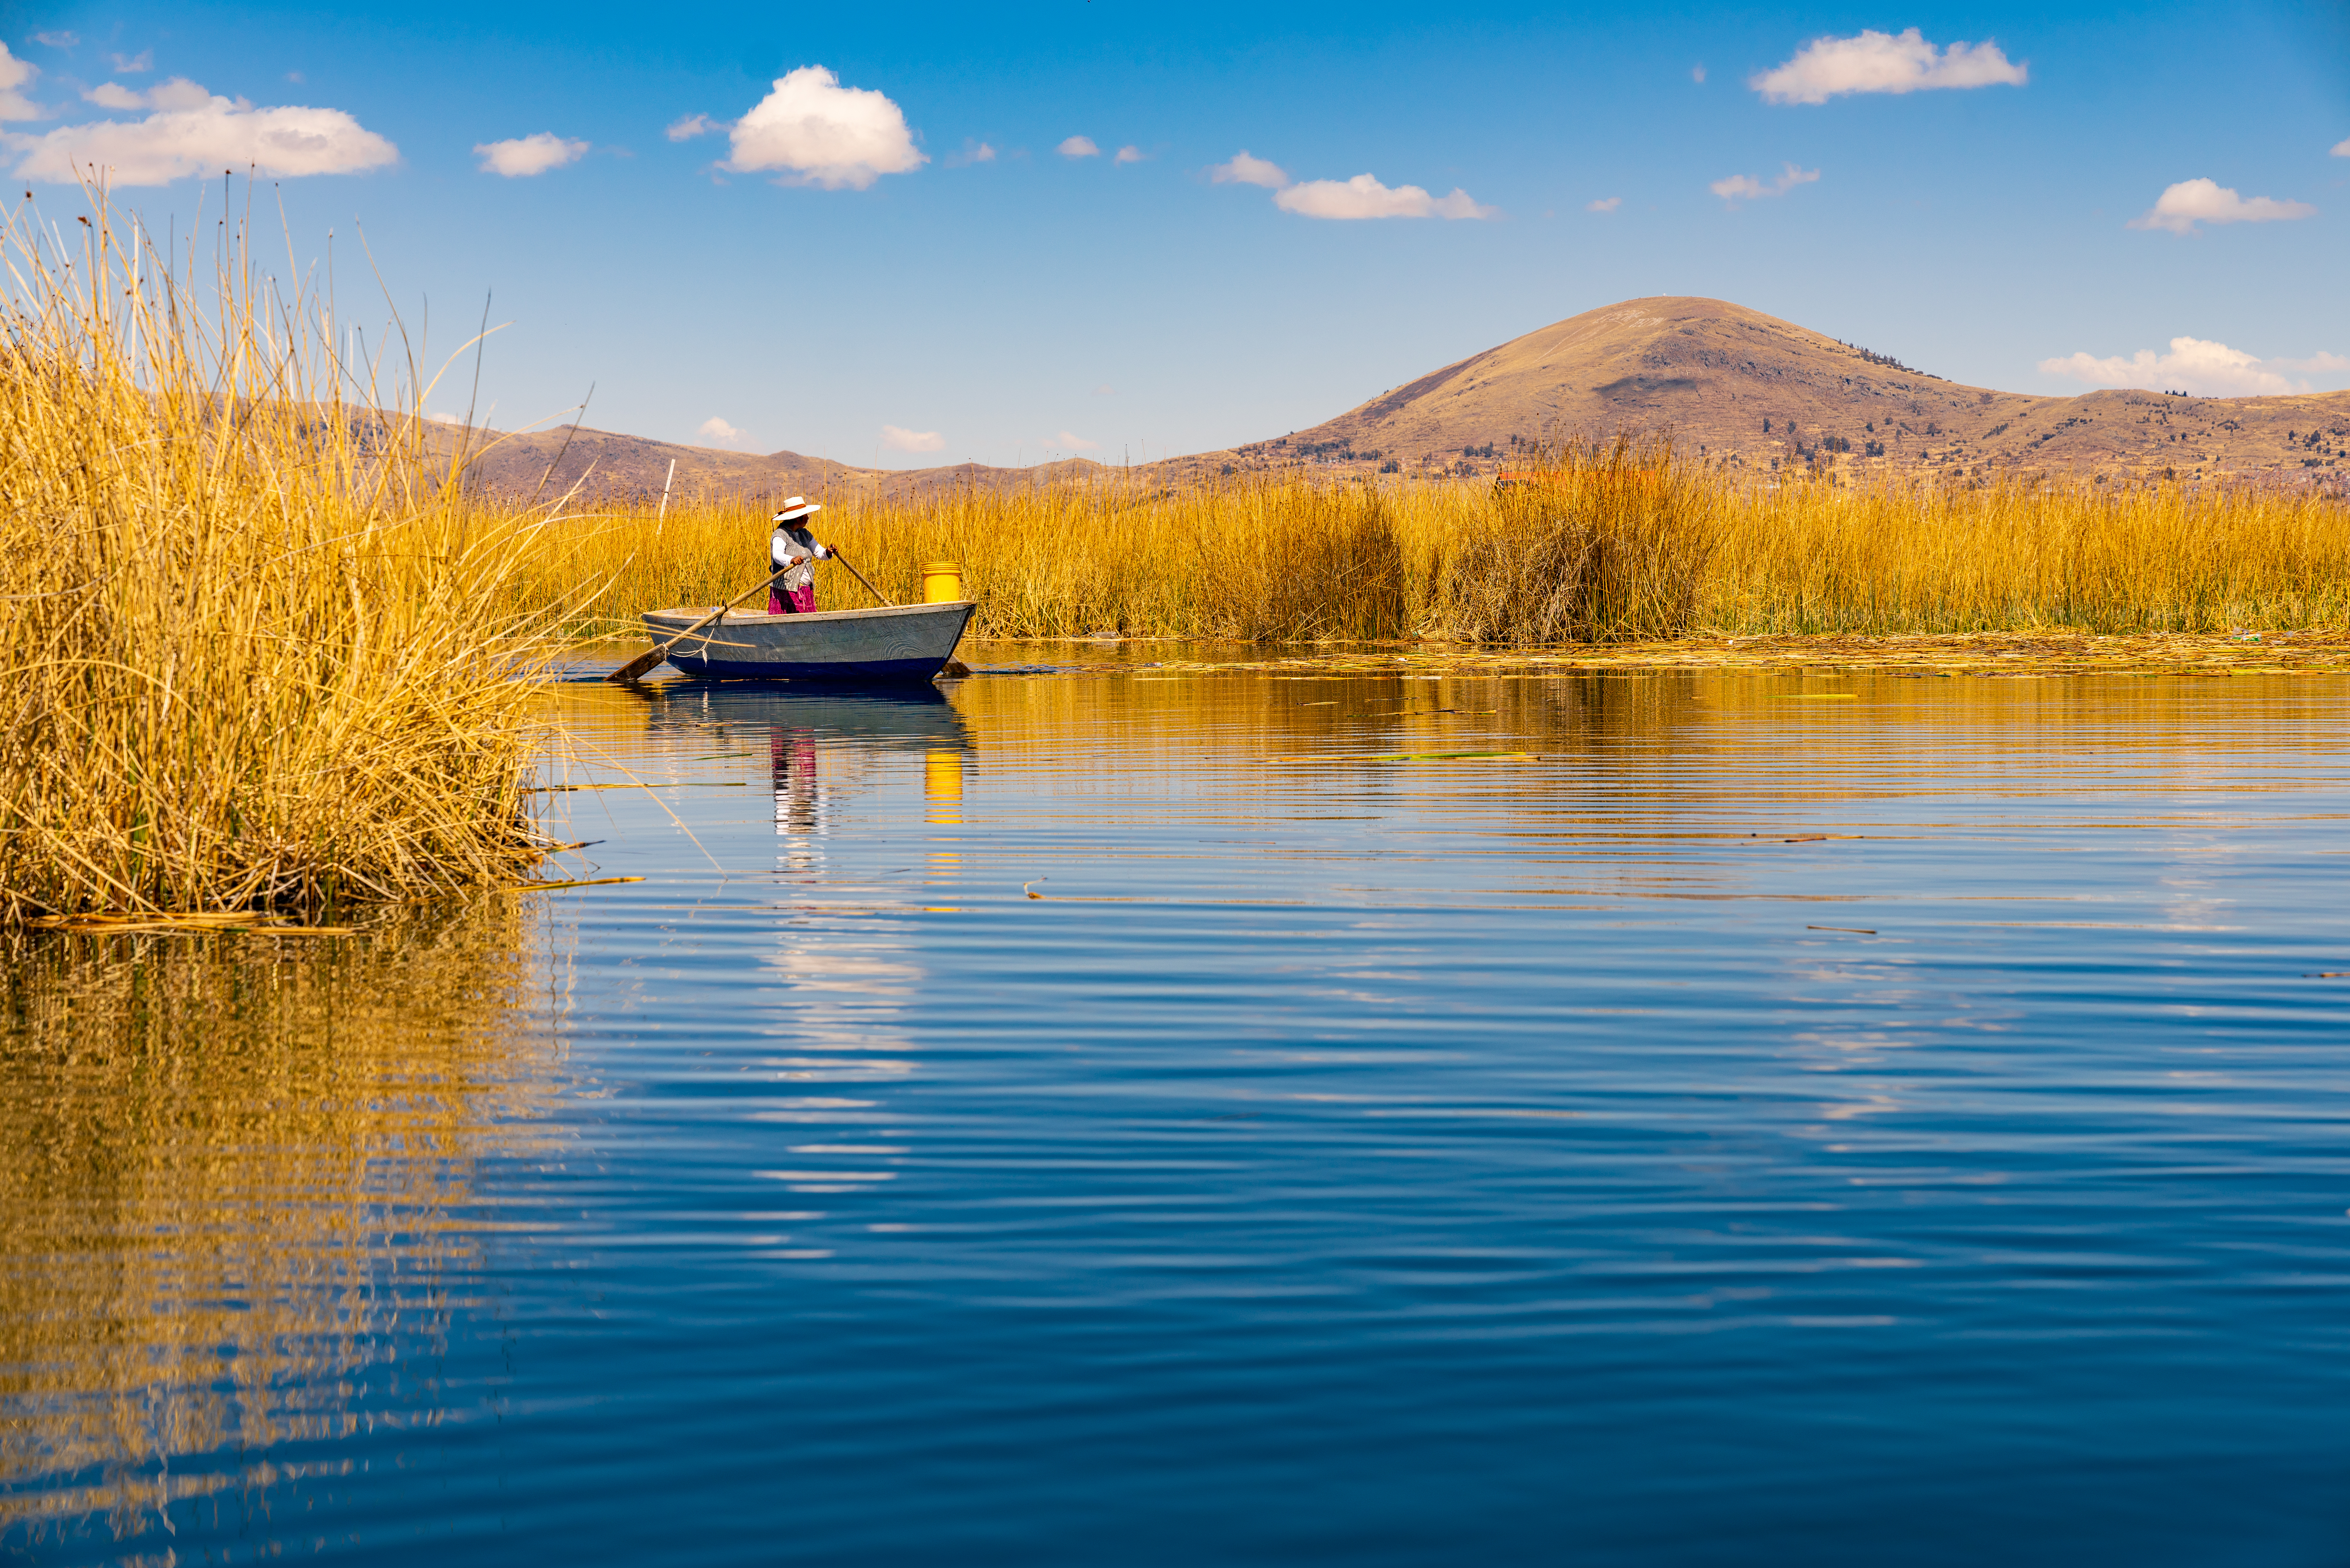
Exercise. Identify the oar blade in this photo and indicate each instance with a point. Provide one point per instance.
(640, 667)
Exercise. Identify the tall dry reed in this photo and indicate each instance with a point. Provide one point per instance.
(1265, 562)
(255, 655)
(1595, 542)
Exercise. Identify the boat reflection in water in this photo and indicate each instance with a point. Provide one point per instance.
(822, 740)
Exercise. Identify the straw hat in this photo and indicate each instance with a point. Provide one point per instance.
(797, 507)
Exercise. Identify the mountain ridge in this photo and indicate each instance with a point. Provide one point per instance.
(1754, 394)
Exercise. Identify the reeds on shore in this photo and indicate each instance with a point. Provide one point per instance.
(255, 657)
(1591, 542)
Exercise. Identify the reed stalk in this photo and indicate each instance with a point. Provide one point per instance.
(260, 653)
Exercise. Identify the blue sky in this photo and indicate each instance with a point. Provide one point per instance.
(894, 262)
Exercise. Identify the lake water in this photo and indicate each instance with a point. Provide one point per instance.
(1109, 1115)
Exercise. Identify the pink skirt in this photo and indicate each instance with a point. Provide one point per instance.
(802, 601)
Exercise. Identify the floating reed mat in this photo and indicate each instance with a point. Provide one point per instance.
(262, 654)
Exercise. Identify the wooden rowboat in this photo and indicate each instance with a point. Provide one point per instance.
(897, 643)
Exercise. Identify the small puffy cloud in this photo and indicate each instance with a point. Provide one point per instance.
(2194, 365)
(715, 431)
(1365, 197)
(194, 133)
(1078, 146)
(1880, 62)
(2193, 202)
(1605, 205)
(1746, 188)
(57, 40)
(972, 152)
(2342, 148)
(1128, 155)
(1245, 169)
(1105, 390)
(15, 76)
(897, 438)
(1069, 441)
(131, 65)
(817, 133)
(1697, 75)
(527, 155)
(177, 93)
(692, 126)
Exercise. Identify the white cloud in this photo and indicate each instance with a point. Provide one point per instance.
(1078, 146)
(897, 438)
(2342, 148)
(1069, 441)
(972, 152)
(131, 65)
(194, 133)
(57, 40)
(1245, 169)
(692, 126)
(527, 155)
(14, 74)
(715, 431)
(1880, 62)
(1128, 155)
(2193, 365)
(1746, 188)
(823, 134)
(177, 93)
(1365, 197)
(1697, 75)
(1607, 204)
(2193, 202)
(444, 419)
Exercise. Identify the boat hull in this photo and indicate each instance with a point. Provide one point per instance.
(895, 644)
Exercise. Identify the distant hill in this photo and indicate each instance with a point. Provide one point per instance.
(1760, 394)
(1733, 386)
(612, 467)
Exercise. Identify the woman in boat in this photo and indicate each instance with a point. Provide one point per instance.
(793, 551)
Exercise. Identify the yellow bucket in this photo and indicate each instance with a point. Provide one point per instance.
(941, 583)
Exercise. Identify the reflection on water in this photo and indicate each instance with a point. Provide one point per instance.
(1112, 1117)
(230, 1173)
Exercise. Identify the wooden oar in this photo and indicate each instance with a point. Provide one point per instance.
(636, 667)
(853, 572)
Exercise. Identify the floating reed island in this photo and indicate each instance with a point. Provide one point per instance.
(260, 654)
(1613, 542)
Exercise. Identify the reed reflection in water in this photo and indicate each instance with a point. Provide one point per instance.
(233, 1171)
(1122, 1116)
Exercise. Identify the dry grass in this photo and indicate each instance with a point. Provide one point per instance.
(1608, 542)
(257, 658)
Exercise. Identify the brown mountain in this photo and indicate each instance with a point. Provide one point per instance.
(1760, 394)
(1732, 385)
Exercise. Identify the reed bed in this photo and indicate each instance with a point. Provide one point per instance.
(260, 656)
(1593, 543)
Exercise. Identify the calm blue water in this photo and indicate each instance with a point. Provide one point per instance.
(1474, 1159)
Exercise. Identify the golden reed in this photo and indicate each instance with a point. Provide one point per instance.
(1595, 542)
(256, 656)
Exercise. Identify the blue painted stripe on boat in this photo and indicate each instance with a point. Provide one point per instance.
(833, 670)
